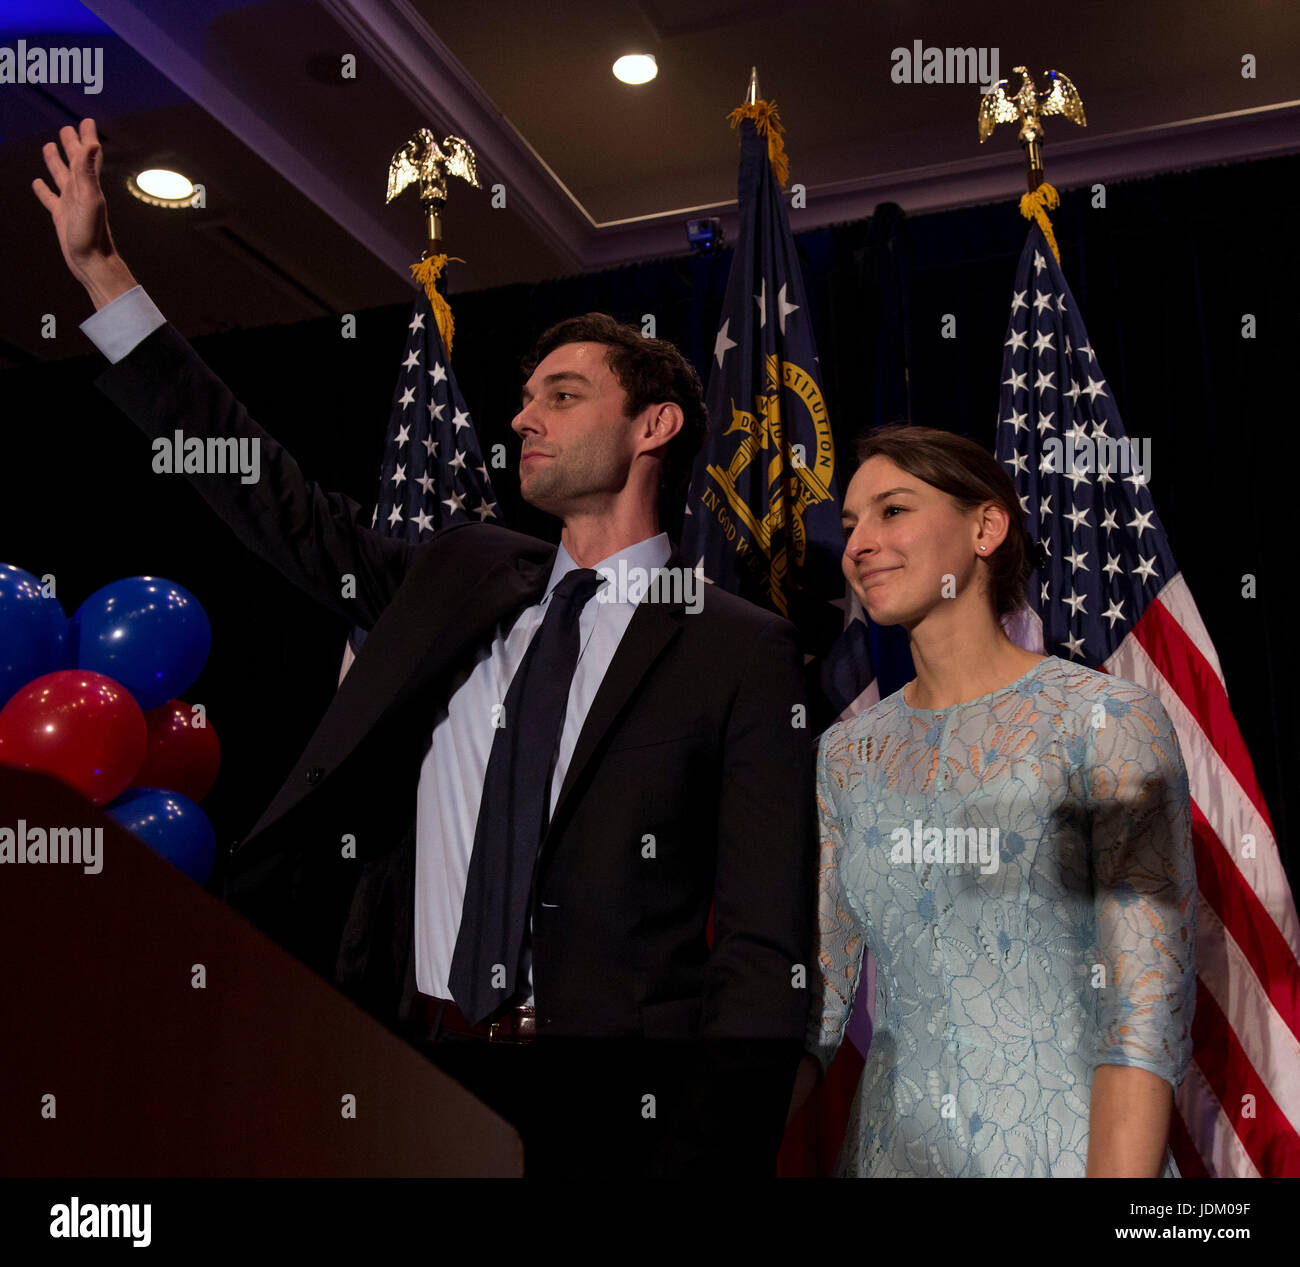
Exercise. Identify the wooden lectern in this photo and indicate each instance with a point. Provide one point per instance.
(117, 1064)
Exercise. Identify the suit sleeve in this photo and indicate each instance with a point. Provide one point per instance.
(757, 987)
(314, 537)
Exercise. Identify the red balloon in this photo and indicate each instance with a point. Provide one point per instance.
(79, 726)
(179, 756)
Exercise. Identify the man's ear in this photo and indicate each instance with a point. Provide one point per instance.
(662, 422)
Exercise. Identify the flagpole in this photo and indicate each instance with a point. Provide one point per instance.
(1028, 106)
(1033, 163)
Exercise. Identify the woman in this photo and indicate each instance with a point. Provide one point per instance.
(1009, 836)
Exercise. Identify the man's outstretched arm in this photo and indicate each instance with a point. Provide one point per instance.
(312, 536)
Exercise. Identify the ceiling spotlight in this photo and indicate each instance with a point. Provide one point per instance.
(636, 68)
(162, 187)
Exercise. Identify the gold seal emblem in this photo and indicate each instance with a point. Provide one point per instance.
(794, 481)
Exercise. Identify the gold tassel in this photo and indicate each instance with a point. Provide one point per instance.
(427, 272)
(768, 124)
(1035, 207)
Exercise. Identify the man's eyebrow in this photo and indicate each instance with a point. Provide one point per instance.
(561, 376)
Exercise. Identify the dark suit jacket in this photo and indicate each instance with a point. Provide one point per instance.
(694, 744)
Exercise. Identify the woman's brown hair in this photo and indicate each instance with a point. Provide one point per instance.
(971, 476)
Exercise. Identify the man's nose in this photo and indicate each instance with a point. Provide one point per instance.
(524, 420)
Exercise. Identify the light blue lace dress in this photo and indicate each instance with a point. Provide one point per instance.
(1004, 975)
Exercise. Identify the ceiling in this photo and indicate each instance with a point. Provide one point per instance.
(252, 100)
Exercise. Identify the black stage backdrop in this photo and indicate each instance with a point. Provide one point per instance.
(1164, 274)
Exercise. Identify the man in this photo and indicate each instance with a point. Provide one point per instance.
(548, 791)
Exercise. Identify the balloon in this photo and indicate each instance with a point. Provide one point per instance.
(33, 631)
(171, 825)
(145, 632)
(179, 755)
(79, 726)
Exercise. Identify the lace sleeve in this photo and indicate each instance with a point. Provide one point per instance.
(1144, 885)
(840, 939)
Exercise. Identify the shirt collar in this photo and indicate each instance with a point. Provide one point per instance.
(653, 552)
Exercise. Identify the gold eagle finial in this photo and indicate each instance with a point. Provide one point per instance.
(422, 159)
(1029, 106)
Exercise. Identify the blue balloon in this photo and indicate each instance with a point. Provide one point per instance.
(171, 825)
(34, 637)
(150, 634)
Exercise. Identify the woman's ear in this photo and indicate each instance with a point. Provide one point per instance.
(992, 522)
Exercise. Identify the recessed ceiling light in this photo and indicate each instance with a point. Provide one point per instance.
(162, 187)
(636, 68)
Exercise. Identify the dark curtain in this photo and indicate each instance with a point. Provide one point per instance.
(1165, 272)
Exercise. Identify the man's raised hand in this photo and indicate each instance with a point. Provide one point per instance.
(80, 213)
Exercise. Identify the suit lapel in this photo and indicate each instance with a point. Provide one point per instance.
(501, 591)
(652, 628)
(419, 638)
(422, 635)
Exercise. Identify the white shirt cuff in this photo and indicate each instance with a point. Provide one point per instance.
(118, 326)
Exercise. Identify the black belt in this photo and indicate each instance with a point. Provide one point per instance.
(513, 1025)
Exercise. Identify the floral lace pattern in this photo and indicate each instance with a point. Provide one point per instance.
(1010, 964)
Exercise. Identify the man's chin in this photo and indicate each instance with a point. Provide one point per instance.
(536, 493)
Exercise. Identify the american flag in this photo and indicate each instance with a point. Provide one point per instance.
(433, 473)
(1111, 597)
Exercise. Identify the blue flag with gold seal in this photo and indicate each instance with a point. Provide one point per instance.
(763, 512)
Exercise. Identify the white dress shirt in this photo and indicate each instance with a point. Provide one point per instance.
(451, 778)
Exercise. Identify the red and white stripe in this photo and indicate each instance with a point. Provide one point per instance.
(1239, 1106)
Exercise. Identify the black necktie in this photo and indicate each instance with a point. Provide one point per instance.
(514, 811)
